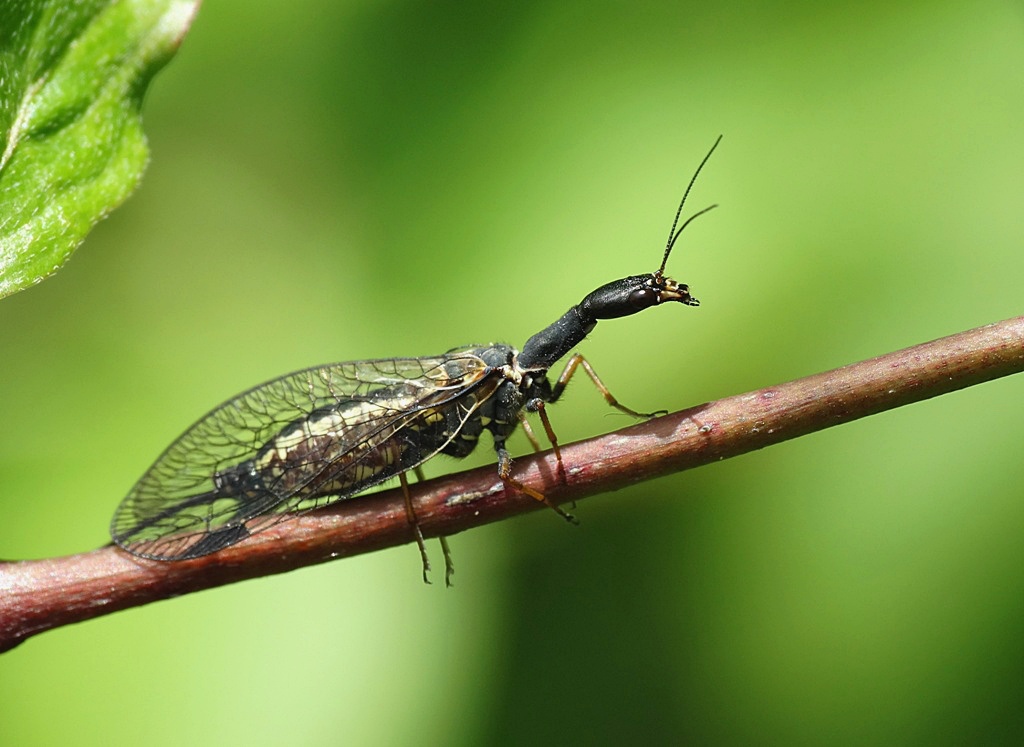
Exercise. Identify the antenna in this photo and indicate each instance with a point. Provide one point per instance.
(673, 234)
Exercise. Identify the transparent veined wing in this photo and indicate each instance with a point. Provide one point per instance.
(295, 443)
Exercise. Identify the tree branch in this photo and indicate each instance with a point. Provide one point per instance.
(38, 595)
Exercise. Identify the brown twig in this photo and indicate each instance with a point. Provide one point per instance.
(39, 595)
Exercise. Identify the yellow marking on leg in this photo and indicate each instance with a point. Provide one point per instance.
(570, 368)
(542, 411)
(528, 430)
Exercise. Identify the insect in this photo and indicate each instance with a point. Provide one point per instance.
(329, 433)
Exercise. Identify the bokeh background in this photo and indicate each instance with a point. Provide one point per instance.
(341, 180)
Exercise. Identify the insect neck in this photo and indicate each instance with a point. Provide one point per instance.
(546, 347)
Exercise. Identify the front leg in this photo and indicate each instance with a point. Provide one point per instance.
(578, 360)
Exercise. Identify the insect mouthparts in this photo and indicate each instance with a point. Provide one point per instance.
(678, 292)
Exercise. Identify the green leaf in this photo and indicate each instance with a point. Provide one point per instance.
(72, 78)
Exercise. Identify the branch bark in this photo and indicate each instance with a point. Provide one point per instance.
(38, 595)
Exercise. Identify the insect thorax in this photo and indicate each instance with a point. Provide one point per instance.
(500, 413)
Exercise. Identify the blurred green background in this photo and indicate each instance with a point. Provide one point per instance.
(336, 181)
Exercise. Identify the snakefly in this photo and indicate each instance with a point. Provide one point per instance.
(329, 433)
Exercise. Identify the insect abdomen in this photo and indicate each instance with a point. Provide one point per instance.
(345, 449)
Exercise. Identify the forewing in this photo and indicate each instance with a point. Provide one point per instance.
(178, 510)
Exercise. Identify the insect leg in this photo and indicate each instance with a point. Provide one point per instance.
(528, 431)
(537, 406)
(505, 475)
(570, 368)
(449, 567)
(411, 516)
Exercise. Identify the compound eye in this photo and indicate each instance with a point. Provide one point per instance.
(641, 298)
